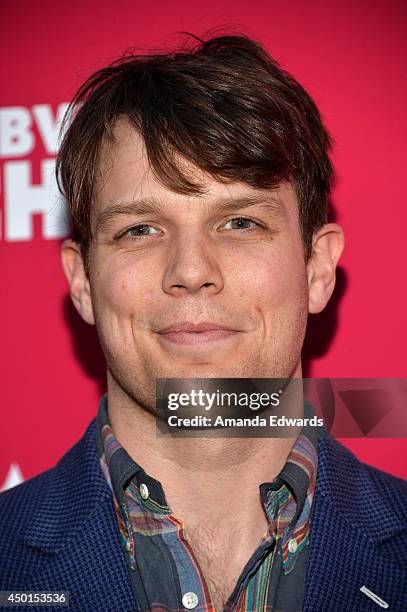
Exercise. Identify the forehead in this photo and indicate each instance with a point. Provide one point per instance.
(124, 174)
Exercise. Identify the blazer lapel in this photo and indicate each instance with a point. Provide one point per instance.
(76, 533)
(356, 538)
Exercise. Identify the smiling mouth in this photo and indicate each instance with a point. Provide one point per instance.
(197, 337)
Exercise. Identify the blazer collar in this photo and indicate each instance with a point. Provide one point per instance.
(348, 484)
(358, 536)
(77, 476)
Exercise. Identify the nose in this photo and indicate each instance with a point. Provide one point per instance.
(193, 266)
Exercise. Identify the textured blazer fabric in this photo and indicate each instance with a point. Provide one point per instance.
(58, 532)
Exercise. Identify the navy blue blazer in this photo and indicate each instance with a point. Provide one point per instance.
(58, 531)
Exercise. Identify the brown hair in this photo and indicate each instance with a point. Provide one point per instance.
(225, 105)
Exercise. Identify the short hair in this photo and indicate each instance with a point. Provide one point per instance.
(223, 104)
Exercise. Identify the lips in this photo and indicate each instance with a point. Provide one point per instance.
(188, 327)
(196, 333)
(193, 337)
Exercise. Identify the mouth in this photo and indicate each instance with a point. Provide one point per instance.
(198, 334)
(194, 338)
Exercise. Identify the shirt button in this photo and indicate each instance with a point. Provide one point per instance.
(292, 545)
(144, 491)
(190, 601)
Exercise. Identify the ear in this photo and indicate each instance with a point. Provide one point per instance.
(327, 246)
(73, 265)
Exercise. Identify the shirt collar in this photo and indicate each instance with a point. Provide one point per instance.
(299, 471)
(297, 474)
(121, 467)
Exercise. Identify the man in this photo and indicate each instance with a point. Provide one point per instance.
(198, 186)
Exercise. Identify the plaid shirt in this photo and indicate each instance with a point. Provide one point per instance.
(164, 570)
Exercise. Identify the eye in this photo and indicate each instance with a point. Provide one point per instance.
(241, 222)
(138, 231)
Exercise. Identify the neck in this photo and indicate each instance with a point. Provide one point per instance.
(203, 478)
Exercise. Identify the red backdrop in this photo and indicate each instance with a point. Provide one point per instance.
(349, 55)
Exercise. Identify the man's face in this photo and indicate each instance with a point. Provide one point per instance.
(193, 259)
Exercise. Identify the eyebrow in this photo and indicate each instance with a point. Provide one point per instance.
(106, 217)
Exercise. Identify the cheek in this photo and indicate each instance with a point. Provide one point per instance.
(275, 280)
(122, 296)
(123, 289)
